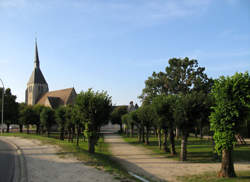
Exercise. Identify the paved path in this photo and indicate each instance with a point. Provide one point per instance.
(45, 165)
(141, 161)
(7, 162)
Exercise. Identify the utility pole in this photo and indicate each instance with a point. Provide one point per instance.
(2, 105)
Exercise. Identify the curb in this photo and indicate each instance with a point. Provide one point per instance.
(20, 170)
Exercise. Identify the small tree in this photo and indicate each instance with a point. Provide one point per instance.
(117, 114)
(10, 108)
(61, 120)
(232, 103)
(47, 118)
(37, 120)
(146, 115)
(94, 110)
(26, 116)
(164, 106)
(69, 122)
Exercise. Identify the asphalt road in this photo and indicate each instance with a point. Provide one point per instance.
(7, 162)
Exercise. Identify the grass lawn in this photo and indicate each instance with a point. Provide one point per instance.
(199, 150)
(242, 176)
(102, 159)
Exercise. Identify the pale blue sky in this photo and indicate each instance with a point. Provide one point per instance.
(114, 45)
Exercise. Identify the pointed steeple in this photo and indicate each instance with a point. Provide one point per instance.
(36, 61)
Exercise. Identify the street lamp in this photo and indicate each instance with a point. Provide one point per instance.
(2, 105)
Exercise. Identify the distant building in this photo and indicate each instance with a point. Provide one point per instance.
(37, 91)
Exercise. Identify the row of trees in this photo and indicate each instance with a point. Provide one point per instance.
(90, 111)
(183, 97)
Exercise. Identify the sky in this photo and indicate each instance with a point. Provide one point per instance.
(115, 45)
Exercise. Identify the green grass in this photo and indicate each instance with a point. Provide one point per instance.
(242, 176)
(102, 159)
(199, 150)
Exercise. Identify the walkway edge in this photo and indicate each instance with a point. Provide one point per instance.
(20, 171)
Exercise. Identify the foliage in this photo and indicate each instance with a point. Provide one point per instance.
(116, 115)
(232, 102)
(60, 115)
(47, 118)
(93, 109)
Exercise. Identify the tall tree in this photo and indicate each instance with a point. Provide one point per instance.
(146, 115)
(60, 115)
(94, 109)
(164, 107)
(47, 118)
(37, 120)
(116, 115)
(10, 108)
(232, 103)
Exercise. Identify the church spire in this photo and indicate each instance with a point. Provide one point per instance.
(36, 61)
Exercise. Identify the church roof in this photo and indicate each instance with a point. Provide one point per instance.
(56, 98)
(37, 77)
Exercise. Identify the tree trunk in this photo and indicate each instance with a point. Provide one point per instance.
(8, 128)
(177, 133)
(77, 136)
(143, 135)
(196, 132)
(121, 128)
(201, 132)
(37, 129)
(155, 132)
(159, 138)
(227, 165)
(165, 143)
(62, 134)
(147, 136)
(139, 135)
(171, 137)
(183, 154)
(20, 128)
(132, 130)
(28, 129)
(91, 144)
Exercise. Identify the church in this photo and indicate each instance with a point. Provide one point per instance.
(37, 91)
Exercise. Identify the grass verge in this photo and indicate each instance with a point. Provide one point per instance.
(242, 176)
(198, 150)
(102, 159)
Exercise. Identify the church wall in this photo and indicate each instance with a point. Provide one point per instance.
(35, 91)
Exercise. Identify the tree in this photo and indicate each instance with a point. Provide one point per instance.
(27, 115)
(21, 120)
(94, 109)
(10, 108)
(60, 115)
(185, 114)
(146, 115)
(69, 122)
(117, 114)
(47, 118)
(232, 103)
(164, 107)
(37, 120)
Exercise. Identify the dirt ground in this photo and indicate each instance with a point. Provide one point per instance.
(142, 162)
(45, 165)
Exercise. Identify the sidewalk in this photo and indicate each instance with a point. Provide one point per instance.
(143, 162)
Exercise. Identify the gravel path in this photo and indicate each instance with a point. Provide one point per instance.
(141, 161)
(44, 165)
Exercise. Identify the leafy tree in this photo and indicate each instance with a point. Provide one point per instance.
(47, 118)
(69, 122)
(232, 103)
(125, 122)
(146, 115)
(10, 108)
(185, 114)
(60, 115)
(21, 120)
(164, 107)
(37, 120)
(27, 115)
(133, 118)
(94, 109)
(117, 114)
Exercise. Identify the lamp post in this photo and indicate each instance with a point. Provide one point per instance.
(2, 105)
